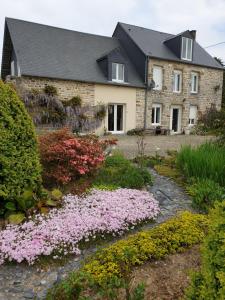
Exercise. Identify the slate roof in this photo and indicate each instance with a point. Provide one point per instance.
(151, 43)
(47, 51)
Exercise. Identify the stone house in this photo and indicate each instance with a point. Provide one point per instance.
(145, 78)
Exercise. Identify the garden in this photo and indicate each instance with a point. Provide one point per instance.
(62, 193)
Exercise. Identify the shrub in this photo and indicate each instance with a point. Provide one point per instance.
(80, 219)
(209, 283)
(65, 157)
(19, 160)
(135, 131)
(50, 90)
(73, 102)
(106, 269)
(205, 193)
(120, 172)
(205, 162)
(212, 120)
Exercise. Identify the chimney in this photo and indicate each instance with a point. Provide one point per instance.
(193, 33)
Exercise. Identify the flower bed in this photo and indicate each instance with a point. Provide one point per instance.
(80, 218)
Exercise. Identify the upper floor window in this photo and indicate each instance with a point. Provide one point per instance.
(156, 114)
(177, 81)
(194, 82)
(157, 77)
(117, 72)
(186, 49)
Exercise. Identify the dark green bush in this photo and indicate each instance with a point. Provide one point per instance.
(119, 171)
(19, 161)
(50, 90)
(73, 102)
(205, 162)
(209, 283)
(205, 193)
(135, 131)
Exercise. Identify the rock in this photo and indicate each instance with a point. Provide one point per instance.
(52, 278)
(43, 282)
(29, 294)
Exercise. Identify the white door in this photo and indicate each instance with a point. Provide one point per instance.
(116, 118)
(175, 119)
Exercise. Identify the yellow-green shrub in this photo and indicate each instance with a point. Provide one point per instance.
(209, 283)
(108, 265)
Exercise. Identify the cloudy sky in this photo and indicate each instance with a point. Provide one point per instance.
(101, 16)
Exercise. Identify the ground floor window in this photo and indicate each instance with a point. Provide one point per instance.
(156, 114)
(116, 118)
(193, 115)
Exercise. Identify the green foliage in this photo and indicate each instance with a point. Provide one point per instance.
(205, 162)
(16, 218)
(20, 171)
(209, 284)
(74, 101)
(135, 131)
(120, 172)
(205, 193)
(50, 90)
(110, 268)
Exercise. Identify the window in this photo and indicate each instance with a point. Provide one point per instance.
(194, 82)
(177, 81)
(186, 49)
(193, 115)
(157, 77)
(156, 114)
(117, 72)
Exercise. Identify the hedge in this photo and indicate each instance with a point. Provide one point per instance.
(19, 161)
(107, 269)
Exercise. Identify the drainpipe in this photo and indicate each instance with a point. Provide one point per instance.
(146, 92)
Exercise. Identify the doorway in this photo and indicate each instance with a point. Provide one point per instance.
(175, 119)
(116, 118)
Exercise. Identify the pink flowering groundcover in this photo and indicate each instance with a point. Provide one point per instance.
(80, 218)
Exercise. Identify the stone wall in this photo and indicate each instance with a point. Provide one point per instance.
(66, 88)
(210, 90)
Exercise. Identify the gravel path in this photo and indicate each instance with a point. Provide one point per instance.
(19, 282)
(128, 144)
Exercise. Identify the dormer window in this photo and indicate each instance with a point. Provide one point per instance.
(186, 49)
(117, 72)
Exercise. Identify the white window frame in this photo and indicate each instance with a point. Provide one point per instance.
(187, 56)
(158, 86)
(155, 106)
(115, 131)
(177, 88)
(117, 72)
(192, 121)
(193, 75)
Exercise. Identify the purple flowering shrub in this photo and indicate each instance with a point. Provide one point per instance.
(80, 218)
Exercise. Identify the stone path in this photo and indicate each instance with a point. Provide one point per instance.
(20, 282)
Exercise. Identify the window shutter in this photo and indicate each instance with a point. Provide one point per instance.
(157, 77)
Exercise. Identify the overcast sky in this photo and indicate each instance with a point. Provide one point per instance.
(101, 16)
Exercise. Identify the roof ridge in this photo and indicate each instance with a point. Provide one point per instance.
(122, 23)
(60, 28)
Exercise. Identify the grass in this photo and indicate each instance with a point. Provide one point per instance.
(205, 162)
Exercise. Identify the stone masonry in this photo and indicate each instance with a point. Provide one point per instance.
(210, 92)
(66, 88)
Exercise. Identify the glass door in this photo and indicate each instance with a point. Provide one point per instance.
(116, 118)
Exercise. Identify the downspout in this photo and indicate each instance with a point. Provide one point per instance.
(146, 92)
